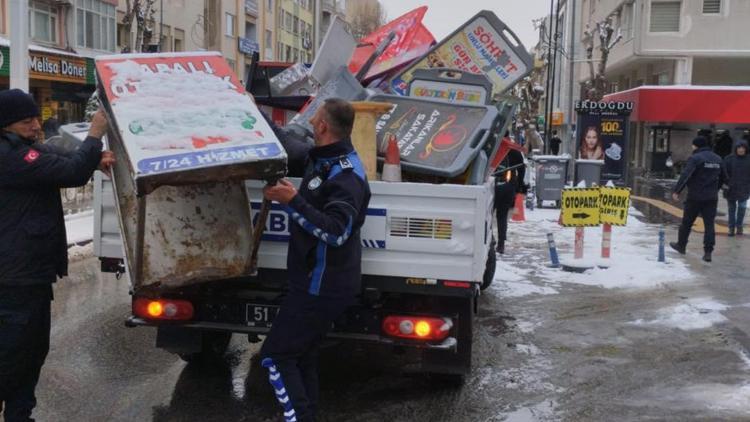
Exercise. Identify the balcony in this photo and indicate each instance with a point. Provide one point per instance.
(251, 7)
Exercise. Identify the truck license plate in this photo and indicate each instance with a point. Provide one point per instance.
(260, 315)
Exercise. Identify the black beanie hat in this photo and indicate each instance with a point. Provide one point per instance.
(16, 105)
(700, 142)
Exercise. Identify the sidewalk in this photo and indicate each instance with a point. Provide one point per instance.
(657, 193)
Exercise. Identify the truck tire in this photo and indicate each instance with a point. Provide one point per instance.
(214, 345)
(489, 267)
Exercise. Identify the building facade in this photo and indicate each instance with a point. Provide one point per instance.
(64, 36)
(699, 43)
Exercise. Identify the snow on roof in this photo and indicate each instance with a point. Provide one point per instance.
(38, 48)
(685, 87)
(161, 55)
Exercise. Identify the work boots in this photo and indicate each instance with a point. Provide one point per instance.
(676, 246)
(707, 256)
(731, 232)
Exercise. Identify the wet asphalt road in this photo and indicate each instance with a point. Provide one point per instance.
(568, 356)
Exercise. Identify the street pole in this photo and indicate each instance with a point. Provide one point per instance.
(19, 44)
(548, 121)
(549, 72)
(571, 66)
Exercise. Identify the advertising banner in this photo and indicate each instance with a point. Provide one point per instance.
(434, 137)
(483, 45)
(603, 135)
(412, 40)
(186, 112)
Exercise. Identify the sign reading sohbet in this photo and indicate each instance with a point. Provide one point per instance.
(593, 206)
(614, 205)
(580, 207)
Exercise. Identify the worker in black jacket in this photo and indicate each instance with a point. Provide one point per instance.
(508, 182)
(33, 244)
(703, 176)
(324, 257)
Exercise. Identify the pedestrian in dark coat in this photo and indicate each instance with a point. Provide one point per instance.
(723, 145)
(554, 143)
(324, 258)
(703, 175)
(33, 244)
(738, 171)
(508, 182)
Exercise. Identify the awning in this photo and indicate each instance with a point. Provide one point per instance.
(687, 103)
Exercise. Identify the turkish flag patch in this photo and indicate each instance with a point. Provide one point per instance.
(31, 156)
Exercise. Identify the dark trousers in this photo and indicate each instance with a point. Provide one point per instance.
(693, 209)
(290, 352)
(24, 343)
(555, 149)
(505, 195)
(736, 213)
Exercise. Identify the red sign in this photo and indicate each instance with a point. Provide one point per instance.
(412, 40)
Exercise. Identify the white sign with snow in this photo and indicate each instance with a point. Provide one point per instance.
(183, 111)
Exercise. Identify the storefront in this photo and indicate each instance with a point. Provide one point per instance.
(665, 119)
(60, 83)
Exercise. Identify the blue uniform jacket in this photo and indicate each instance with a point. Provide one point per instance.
(703, 175)
(325, 252)
(33, 243)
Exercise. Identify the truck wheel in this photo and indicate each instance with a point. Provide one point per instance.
(489, 267)
(214, 345)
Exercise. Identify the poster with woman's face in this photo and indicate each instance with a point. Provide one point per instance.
(603, 136)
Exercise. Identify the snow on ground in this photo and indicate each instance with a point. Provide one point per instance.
(524, 269)
(80, 227)
(693, 314)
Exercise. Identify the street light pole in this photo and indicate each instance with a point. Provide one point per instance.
(19, 44)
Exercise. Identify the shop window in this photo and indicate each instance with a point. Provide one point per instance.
(95, 25)
(42, 22)
(659, 139)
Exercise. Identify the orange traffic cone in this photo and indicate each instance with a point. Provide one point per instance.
(519, 213)
(392, 164)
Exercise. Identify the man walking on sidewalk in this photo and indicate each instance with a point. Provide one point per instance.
(703, 175)
(738, 172)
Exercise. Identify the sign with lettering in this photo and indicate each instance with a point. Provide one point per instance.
(614, 205)
(57, 68)
(248, 46)
(186, 112)
(603, 135)
(483, 45)
(51, 67)
(580, 207)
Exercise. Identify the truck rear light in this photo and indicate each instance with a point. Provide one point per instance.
(460, 284)
(417, 327)
(163, 309)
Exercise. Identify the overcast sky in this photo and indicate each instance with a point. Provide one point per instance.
(444, 16)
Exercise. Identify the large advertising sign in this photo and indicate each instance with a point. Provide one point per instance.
(603, 135)
(483, 45)
(412, 40)
(180, 112)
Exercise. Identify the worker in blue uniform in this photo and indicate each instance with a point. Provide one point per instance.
(324, 258)
(33, 244)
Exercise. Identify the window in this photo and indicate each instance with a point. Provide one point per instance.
(229, 30)
(665, 16)
(295, 25)
(250, 31)
(711, 7)
(179, 37)
(95, 25)
(42, 22)
(288, 21)
(288, 55)
(269, 7)
(269, 38)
